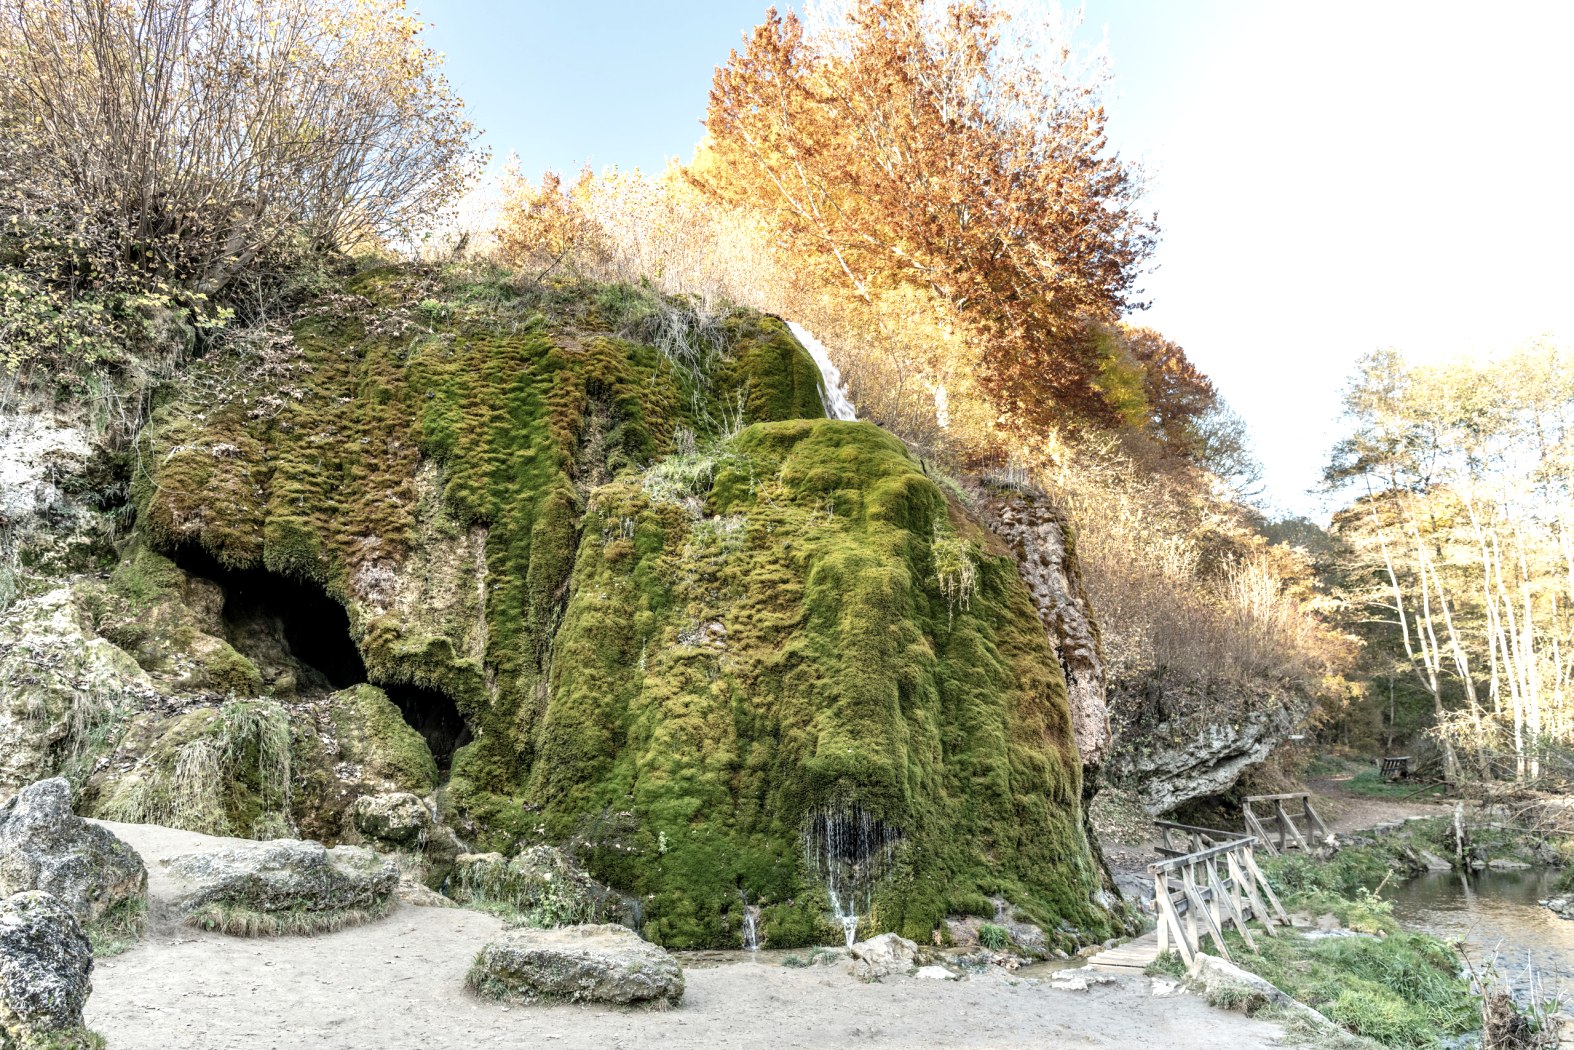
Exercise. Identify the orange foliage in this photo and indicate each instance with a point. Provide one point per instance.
(910, 147)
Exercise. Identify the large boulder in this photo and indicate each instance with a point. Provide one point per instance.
(587, 963)
(398, 818)
(45, 846)
(280, 887)
(46, 966)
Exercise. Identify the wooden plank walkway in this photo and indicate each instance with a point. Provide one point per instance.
(1131, 957)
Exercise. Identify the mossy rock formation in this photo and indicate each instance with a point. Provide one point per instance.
(686, 619)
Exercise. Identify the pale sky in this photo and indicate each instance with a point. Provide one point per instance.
(1330, 178)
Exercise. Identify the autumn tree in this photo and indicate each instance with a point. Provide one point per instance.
(170, 148)
(949, 148)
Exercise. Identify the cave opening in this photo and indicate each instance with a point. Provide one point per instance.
(281, 623)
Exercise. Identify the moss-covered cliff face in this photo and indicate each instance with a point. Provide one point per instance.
(688, 623)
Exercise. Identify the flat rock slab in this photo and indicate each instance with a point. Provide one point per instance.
(283, 877)
(45, 846)
(587, 963)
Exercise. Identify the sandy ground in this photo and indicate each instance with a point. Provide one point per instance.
(398, 984)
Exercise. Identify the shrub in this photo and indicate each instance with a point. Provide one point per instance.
(995, 938)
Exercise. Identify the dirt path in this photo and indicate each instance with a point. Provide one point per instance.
(397, 984)
(1346, 813)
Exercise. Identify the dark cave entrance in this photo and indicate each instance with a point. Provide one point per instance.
(275, 619)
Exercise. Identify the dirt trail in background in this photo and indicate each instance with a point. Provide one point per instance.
(1345, 813)
(397, 984)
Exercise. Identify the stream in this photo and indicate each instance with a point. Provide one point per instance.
(1496, 912)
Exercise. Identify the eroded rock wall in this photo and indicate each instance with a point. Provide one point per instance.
(1040, 538)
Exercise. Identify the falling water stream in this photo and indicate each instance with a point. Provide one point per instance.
(849, 851)
(837, 406)
(751, 924)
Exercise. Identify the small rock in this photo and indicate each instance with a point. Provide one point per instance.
(1504, 864)
(46, 964)
(883, 956)
(45, 846)
(586, 963)
(935, 973)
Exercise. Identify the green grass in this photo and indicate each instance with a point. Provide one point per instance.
(995, 938)
(1402, 990)
(1369, 783)
(118, 929)
(69, 1039)
(238, 920)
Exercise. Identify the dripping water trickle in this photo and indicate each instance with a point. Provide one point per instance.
(751, 924)
(837, 405)
(849, 851)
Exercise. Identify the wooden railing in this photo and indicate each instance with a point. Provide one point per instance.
(1200, 893)
(1177, 840)
(1278, 831)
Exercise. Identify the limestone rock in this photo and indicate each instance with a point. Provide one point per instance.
(46, 964)
(586, 963)
(883, 956)
(1036, 533)
(935, 972)
(305, 885)
(1178, 741)
(1224, 983)
(1562, 907)
(57, 682)
(541, 882)
(398, 818)
(45, 846)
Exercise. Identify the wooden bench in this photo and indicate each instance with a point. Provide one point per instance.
(1395, 767)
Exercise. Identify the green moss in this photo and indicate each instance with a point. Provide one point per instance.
(371, 732)
(792, 650)
(684, 655)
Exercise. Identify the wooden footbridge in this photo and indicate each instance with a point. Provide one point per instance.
(1206, 882)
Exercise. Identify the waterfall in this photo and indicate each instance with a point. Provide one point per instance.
(751, 924)
(850, 852)
(836, 404)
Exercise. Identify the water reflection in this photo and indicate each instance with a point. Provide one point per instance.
(1495, 911)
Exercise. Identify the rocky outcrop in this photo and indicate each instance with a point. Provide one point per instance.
(1562, 907)
(46, 966)
(47, 460)
(541, 885)
(1177, 742)
(45, 846)
(281, 887)
(58, 683)
(398, 818)
(1040, 538)
(333, 592)
(590, 963)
